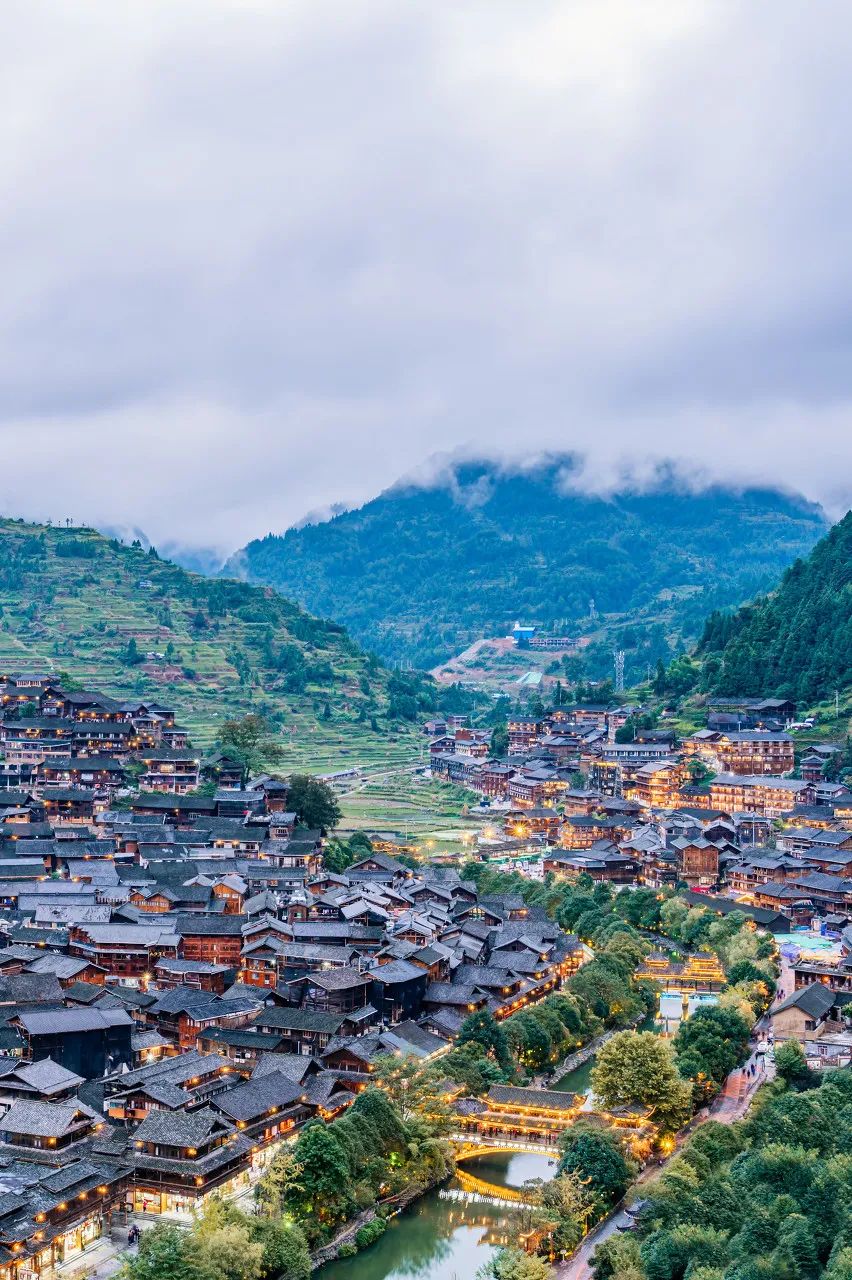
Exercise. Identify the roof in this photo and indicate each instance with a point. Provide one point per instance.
(45, 1119)
(546, 1099)
(48, 1076)
(396, 971)
(69, 1020)
(258, 1096)
(814, 1001)
(338, 979)
(301, 1020)
(180, 1128)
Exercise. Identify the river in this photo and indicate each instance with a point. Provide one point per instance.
(445, 1239)
(580, 1079)
(438, 1239)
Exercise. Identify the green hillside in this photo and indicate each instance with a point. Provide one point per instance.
(796, 642)
(121, 620)
(419, 573)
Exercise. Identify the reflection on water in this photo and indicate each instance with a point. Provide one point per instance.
(445, 1239)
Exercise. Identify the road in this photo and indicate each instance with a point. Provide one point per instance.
(731, 1104)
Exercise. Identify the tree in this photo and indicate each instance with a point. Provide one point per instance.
(709, 1045)
(281, 1175)
(513, 1264)
(220, 1244)
(530, 1041)
(285, 1250)
(637, 1067)
(162, 1255)
(618, 1258)
(667, 1254)
(325, 1174)
(469, 1066)
(597, 1157)
(570, 1200)
(250, 741)
(484, 1029)
(313, 802)
(792, 1065)
(499, 740)
(337, 855)
(412, 1090)
(227, 1253)
(604, 985)
(130, 656)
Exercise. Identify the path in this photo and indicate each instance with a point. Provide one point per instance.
(731, 1104)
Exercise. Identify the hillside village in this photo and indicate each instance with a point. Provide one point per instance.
(185, 983)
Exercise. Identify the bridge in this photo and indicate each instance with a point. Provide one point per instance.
(477, 1190)
(469, 1146)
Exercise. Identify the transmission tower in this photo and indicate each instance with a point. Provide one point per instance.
(593, 610)
(618, 659)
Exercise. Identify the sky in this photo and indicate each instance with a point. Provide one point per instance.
(258, 258)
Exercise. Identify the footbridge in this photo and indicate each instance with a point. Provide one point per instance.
(468, 1146)
(472, 1189)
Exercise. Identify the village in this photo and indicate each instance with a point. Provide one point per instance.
(185, 984)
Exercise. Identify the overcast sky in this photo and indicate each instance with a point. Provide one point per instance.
(258, 257)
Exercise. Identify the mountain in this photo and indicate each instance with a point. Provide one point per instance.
(422, 571)
(796, 642)
(120, 619)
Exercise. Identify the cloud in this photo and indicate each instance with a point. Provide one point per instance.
(260, 257)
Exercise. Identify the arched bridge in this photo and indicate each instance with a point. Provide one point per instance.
(468, 1146)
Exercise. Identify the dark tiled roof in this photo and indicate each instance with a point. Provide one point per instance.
(546, 1099)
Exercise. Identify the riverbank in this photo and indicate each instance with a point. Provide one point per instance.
(445, 1237)
(395, 1204)
(577, 1059)
(557, 1077)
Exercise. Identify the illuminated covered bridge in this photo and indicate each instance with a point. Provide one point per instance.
(511, 1118)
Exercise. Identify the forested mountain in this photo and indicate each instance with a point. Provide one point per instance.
(420, 572)
(795, 643)
(122, 620)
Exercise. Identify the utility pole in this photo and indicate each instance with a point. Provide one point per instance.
(837, 702)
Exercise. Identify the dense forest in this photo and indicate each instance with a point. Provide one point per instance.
(765, 1199)
(420, 572)
(795, 643)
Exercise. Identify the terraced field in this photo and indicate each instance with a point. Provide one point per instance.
(120, 620)
(402, 802)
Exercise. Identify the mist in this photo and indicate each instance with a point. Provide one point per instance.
(263, 260)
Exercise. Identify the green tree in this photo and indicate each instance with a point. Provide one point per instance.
(570, 1200)
(221, 1243)
(597, 1157)
(251, 741)
(281, 1175)
(637, 1067)
(413, 1090)
(162, 1255)
(325, 1175)
(709, 1045)
(131, 657)
(792, 1065)
(499, 740)
(285, 1250)
(313, 801)
(513, 1264)
(483, 1029)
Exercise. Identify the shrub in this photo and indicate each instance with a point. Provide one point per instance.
(370, 1232)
